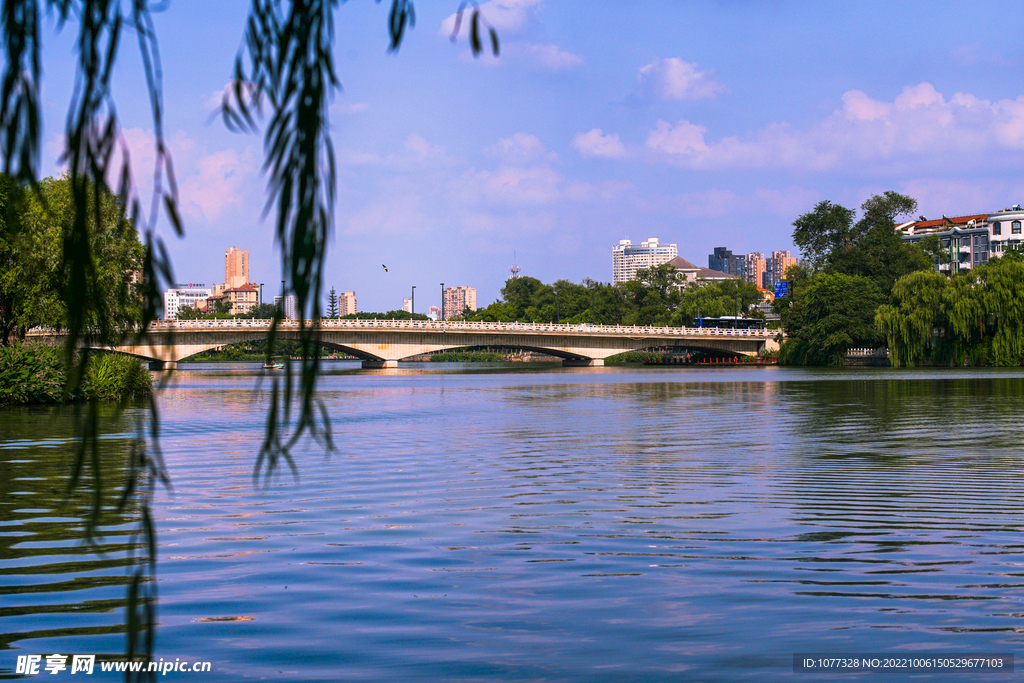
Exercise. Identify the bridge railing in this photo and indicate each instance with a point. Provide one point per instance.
(458, 326)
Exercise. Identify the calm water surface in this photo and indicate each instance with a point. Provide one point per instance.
(541, 524)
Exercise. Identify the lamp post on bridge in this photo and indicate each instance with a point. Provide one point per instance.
(558, 313)
(412, 306)
(442, 301)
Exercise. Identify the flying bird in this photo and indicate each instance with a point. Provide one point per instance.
(384, 267)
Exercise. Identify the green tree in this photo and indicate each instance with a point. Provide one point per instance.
(332, 304)
(832, 242)
(917, 320)
(36, 284)
(837, 312)
(824, 232)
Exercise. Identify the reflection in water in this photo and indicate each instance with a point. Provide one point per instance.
(55, 585)
(604, 524)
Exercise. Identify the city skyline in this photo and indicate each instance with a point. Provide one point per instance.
(597, 123)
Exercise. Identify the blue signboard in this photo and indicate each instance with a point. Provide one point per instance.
(781, 290)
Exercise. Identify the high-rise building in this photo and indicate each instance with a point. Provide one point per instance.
(288, 305)
(178, 298)
(775, 270)
(347, 303)
(721, 260)
(236, 267)
(755, 268)
(457, 300)
(627, 258)
(407, 304)
(434, 313)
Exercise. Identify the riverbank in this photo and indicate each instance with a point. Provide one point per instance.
(32, 374)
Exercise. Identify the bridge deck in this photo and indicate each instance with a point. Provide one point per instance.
(382, 343)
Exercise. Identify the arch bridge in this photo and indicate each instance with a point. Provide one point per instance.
(382, 343)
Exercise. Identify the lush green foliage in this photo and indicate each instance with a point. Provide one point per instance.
(657, 297)
(977, 316)
(389, 315)
(34, 374)
(116, 377)
(35, 282)
(833, 313)
(633, 357)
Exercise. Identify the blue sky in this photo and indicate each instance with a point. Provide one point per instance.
(702, 123)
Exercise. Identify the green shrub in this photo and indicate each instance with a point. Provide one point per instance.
(114, 377)
(33, 374)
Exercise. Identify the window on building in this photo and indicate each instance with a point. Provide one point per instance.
(1015, 229)
(997, 228)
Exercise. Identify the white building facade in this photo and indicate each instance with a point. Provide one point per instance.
(181, 297)
(627, 258)
(288, 305)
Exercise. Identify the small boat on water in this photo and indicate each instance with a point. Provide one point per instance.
(272, 365)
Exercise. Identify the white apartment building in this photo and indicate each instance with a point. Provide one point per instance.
(347, 303)
(458, 299)
(627, 258)
(968, 240)
(177, 299)
(289, 305)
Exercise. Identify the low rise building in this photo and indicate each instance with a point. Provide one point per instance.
(243, 298)
(184, 296)
(968, 241)
(694, 273)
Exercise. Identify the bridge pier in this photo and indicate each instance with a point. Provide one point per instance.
(583, 362)
(377, 364)
(163, 365)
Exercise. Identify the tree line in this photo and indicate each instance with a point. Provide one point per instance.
(658, 297)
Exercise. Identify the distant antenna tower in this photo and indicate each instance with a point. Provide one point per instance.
(514, 268)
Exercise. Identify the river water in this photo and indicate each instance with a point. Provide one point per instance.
(543, 524)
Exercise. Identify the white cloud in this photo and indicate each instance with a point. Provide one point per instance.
(521, 148)
(210, 182)
(919, 127)
(506, 16)
(594, 143)
(549, 57)
(545, 57)
(674, 79)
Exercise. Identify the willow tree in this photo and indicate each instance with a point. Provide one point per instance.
(987, 311)
(916, 319)
(284, 75)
